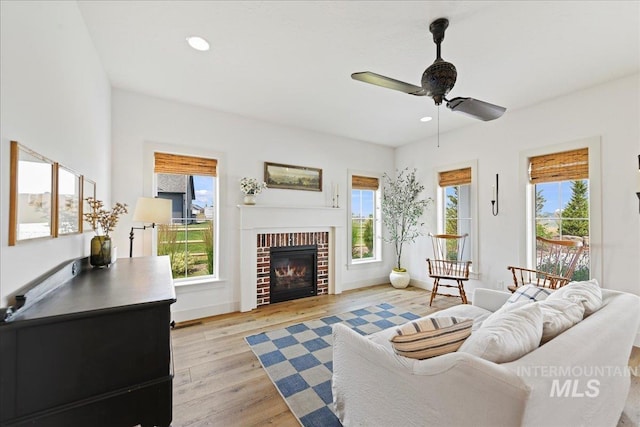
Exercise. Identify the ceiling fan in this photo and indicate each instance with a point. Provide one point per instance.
(437, 81)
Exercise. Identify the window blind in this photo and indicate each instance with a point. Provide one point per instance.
(564, 166)
(364, 183)
(454, 177)
(184, 165)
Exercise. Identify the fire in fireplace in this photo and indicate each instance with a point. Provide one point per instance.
(293, 272)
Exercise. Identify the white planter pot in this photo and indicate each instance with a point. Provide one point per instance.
(250, 199)
(399, 279)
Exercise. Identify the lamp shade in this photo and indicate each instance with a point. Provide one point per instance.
(152, 210)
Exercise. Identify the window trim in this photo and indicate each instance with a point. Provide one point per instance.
(473, 209)
(149, 190)
(526, 246)
(351, 263)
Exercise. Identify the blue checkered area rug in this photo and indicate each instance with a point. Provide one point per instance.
(299, 358)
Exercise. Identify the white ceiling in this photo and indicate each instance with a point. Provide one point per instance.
(289, 62)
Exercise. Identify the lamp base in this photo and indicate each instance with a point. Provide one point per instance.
(144, 227)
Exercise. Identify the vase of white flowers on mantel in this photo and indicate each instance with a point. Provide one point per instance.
(251, 187)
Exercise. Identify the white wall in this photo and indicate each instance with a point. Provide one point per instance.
(242, 146)
(54, 99)
(610, 111)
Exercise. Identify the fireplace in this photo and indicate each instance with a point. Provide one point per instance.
(293, 272)
(269, 245)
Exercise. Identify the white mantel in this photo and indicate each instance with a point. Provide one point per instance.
(262, 219)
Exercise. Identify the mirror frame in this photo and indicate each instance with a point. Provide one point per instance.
(77, 200)
(88, 189)
(15, 150)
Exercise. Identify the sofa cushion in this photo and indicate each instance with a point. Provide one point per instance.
(558, 315)
(431, 336)
(587, 293)
(507, 335)
(467, 311)
(529, 293)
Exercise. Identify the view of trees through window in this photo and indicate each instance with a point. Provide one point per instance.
(362, 224)
(189, 239)
(455, 220)
(562, 212)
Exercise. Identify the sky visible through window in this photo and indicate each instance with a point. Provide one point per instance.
(556, 194)
(204, 190)
(366, 204)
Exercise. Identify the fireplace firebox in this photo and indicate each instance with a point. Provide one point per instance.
(293, 272)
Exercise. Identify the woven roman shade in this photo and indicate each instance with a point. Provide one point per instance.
(454, 177)
(565, 166)
(184, 165)
(364, 183)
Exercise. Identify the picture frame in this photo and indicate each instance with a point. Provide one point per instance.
(290, 177)
(32, 205)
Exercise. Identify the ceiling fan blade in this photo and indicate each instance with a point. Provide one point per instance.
(388, 82)
(476, 108)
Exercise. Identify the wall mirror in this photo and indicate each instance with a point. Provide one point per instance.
(31, 195)
(88, 190)
(68, 190)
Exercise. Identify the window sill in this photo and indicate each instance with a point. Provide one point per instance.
(179, 283)
(474, 275)
(363, 264)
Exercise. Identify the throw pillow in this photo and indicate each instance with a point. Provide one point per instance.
(558, 315)
(587, 293)
(529, 293)
(431, 336)
(507, 335)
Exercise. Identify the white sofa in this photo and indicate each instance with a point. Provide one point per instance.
(372, 386)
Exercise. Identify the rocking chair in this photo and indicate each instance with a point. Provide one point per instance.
(448, 250)
(555, 262)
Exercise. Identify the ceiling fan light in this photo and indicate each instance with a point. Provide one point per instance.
(439, 79)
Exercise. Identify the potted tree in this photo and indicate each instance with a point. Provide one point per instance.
(402, 209)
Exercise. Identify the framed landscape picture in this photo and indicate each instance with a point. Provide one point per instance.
(290, 177)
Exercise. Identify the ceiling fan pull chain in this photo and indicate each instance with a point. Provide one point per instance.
(438, 126)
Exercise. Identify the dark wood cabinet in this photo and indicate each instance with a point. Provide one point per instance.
(91, 350)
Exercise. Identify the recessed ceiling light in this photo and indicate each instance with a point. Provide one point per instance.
(198, 43)
(426, 119)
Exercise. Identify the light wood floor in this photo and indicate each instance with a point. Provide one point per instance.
(219, 381)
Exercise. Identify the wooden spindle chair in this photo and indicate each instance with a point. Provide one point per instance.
(447, 264)
(555, 262)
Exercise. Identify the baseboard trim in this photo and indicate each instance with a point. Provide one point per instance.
(364, 283)
(203, 312)
(421, 284)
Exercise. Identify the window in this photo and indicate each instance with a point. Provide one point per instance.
(191, 185)
(365, 224)
(457, 208)
(561, 190)
(455, 205)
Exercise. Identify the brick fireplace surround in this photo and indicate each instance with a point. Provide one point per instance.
(282, 225)
(266, 241)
